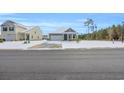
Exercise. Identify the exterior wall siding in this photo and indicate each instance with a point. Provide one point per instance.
(19, 29)
(35, 34)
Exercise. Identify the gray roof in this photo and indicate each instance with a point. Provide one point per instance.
(27, 28)
(32, 27)
(64, 30)
(9, 22)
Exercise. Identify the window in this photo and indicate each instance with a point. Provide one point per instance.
(4, 29)
(11, 28)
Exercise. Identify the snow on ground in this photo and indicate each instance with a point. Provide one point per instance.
(65, 44)
(18, 44)
(89, 44)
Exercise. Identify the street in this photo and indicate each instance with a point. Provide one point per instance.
(80, 64)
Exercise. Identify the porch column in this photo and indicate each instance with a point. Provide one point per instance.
(25, 36)
(67, 37)
(72, 37)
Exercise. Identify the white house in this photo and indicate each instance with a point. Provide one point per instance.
(63, 34)
(12, 31)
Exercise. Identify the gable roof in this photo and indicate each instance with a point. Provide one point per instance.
(70, 30)
(27, 28)
(30, 29)
(64, 30)
(9, 22)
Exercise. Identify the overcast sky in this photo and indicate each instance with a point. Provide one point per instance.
(49, 22)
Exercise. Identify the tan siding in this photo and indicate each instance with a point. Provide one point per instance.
(19, 33)
(19, 29)
(35, 34)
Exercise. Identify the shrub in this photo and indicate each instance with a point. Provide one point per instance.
(2, 40)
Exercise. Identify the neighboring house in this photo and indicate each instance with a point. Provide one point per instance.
(63, 34)
(45, 37)
(12, 31)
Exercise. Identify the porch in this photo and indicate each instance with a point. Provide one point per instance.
(70, 37)
(23, 36)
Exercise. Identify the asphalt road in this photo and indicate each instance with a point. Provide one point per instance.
(62, 64)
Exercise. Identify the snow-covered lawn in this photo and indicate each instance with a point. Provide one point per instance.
(65, 44)
(89, 44)
(18, 44)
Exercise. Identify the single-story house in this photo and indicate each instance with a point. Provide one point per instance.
(12, 31)
(63, 34)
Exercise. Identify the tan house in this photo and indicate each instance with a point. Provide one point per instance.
(12, 31)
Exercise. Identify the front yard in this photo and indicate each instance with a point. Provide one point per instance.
(60, 44)
(18, 44)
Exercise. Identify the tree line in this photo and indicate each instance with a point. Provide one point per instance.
(114, 32)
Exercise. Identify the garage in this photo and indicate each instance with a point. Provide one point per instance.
(10, 37)
(56, 37)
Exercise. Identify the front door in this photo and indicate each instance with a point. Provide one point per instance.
(65, 36)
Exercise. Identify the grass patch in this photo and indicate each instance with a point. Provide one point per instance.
(46, 45)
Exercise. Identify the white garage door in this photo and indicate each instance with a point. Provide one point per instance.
(56, 37)
(10, 37)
